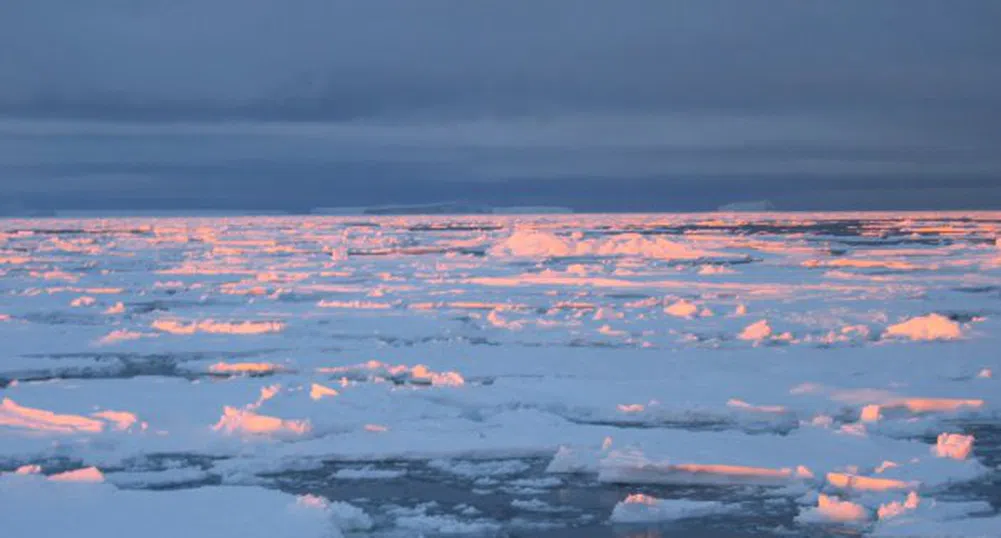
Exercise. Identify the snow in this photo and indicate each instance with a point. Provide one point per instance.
(33, 506)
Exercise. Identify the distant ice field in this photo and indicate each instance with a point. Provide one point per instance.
(723, 374)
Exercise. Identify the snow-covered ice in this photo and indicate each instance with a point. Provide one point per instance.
(297, 373)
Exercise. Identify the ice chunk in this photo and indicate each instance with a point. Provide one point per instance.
(83, 301)
(640, 508)
(347, 517)
(757, 331)
(368, 473)
(917, 517)
(867, 483)
(209, 326)
(87, 474)
(117, 308)
(631, 468)
(682, 309)
(246, 421)
(16, 416)
(318, 392)
(122, 420)
(870, 413)
(28, 469)
(930, 327)
(831, 509)
(243, 368)
(123, 335)
(568, 460)
(474, 469)
(953, 445)
(896, 508)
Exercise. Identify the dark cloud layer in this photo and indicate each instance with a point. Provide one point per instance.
(129, 101)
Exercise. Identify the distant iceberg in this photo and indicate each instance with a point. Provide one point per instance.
(443, 208)
(754, 205)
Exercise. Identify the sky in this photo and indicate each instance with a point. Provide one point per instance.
(595, 105)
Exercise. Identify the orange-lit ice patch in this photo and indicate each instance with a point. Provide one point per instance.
(885, 465)
(736, 471)
(541, 244)
(267, 393)
(861, 264)
(870, 413)
(245, 421)
(238, 288)
(930, 405)
(355, 305)
(740, 404)
(896, 508)
(318, 392)
(496, 320)
(87, 474)
(243, 368)
(376, 428)
(122, 420)
(83, 301)
(14, 260)
(122, 335)
(930, 327)
(756, 331)
(313, 501)
(867, 483)
(218, 327)
(953, 445)
(834, 510)
(16, 416)
(639, 498)
(423, 373)
(420, 373)
(682, 309)
(631, 408)
(28, 469)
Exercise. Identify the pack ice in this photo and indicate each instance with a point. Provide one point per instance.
(568, 374)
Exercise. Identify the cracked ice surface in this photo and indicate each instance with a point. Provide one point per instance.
(835, 360)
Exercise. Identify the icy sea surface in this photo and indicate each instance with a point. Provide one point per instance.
(723, 375)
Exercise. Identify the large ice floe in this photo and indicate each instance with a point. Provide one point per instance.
(535, 375)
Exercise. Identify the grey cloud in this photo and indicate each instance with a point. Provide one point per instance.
(316, 91)
(337, 60)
